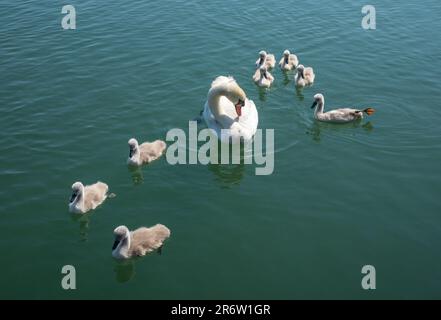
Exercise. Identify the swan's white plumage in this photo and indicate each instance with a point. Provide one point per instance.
(138, 242)
(145, 152)
(291, 63)
(85, 198)
(234, 128)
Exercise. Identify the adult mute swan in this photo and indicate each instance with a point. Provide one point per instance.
(266, 59)
(85, 198)
(138, 242)
(342, 115)
(263, 78)
(228, 111)
(289, 61)
(144, 153)
(304, 76)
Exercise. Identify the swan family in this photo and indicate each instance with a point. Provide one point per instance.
(233, 117)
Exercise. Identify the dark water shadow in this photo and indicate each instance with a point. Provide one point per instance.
(299, 93)
(286, 77)
(262, 93)
(124, 270)
(136, 175)
(228, 175)
(317, 127)
(84, 222)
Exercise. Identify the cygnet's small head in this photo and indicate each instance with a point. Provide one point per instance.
(133, 146)
(262, 54)
(77, 190)
(121, 233)
(286, 53)
(318, 98)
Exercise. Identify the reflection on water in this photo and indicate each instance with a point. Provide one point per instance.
(228, 174)
(317, 126)
(299, 93)
(84, 220)
(262, 94)
(286, 78)
(137, 176)
(124, 270)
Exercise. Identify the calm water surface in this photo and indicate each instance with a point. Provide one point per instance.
(340, 197)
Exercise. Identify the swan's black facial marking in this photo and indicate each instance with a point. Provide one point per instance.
(261, 60)
(73, 196)
(302, 74)
(132, 151)
(265, 75)
(286, 59)
(115, 244)
(314, 104)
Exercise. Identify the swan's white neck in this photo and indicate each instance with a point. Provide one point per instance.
(79, 200)
(122, 250)
(213, 101)
(136, 154)
(320, 106)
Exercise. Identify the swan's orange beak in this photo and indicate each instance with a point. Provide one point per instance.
(239, 106)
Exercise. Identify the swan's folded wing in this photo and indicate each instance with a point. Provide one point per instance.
(271, 60)
(256, 76)
(149, 238)
(308, 72)
(293, 59)
(341, 115)
(152, 150)
(95, 194)
(221, 80)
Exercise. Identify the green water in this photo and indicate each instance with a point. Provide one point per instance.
(340, 197)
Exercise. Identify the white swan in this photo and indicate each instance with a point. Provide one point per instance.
(146, 152)
(85, 198)
(289, 61)
(266, 59)
(263, 78)
(138, 242)
(304, 76)
(342, 115)
(228, 112)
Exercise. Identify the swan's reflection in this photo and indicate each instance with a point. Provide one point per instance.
(124, 270)
(286, 79)
(262, 94)
(299, 93)
(137, 176)
(84, 221)
(228, 174)
(317, 126)
(368, 126)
